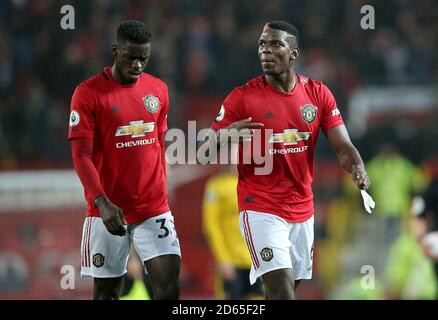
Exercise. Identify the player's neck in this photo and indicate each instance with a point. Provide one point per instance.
(116, 75)
(284, 82)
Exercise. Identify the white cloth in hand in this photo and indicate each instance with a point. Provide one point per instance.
(368, 202)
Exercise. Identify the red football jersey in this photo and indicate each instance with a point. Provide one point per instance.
(295, 119)
(124, 121)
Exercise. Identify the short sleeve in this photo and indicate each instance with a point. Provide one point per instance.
(231, 111)
(162, 118)
(82, 118)
(331, 117)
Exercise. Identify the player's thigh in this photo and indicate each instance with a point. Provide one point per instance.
(267, 238)
(103, 255)
(156, 240)
(164, 270)
(302, 238)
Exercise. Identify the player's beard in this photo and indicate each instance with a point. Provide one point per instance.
(272, 72)
(124, 75)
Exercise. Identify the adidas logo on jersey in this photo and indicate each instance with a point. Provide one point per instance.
(269, 115)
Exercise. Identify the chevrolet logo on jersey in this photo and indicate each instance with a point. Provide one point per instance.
(289, 137)
(135, 129)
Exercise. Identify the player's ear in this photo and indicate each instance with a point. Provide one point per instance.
(114, 48)
(294, 53)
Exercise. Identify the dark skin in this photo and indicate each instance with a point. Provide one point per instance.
(278, 50)
(130, 60)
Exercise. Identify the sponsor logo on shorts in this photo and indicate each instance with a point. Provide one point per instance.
(98, 260)
(266, 254)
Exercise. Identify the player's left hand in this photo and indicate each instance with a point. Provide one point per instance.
(360, 178)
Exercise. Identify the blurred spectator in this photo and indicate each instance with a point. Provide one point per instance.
(425, 223)
(136, 282)
(395, 180)
(409, 274)
(355, 290)
(14, 274)
(202, 48)
(221, 227)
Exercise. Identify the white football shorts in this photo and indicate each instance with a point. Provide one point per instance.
(275, 243)
(104, 255)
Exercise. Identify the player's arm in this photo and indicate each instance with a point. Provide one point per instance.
(81, 133)
(236, 132)
(348, 156)
(111, 215)
(162, 126)
(231, 123)
(337, 135)
(162, 141)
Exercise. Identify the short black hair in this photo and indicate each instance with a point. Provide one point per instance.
(133, 31)
(284, 26)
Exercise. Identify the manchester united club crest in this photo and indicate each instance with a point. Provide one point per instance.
(308, 112)
(266, 254)
(98, 260)
(151, 103)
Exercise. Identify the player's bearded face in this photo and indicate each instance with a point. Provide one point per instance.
(275, 52)
(131, 60)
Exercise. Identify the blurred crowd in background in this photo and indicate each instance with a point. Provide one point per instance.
(202, 50)
(199, 48)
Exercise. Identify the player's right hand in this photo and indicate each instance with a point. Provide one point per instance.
(112, 216)
(244, 128)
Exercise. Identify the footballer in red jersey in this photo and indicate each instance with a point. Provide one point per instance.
(118, 121)
(276, 209)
